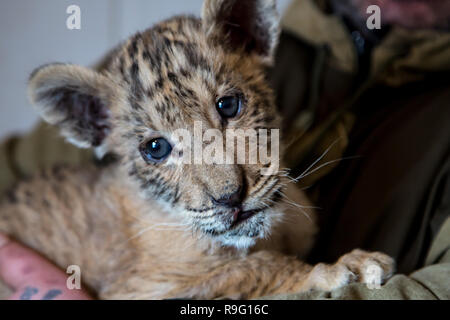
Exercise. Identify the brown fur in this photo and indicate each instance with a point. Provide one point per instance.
(144, 230)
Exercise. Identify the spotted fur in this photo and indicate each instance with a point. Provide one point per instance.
(153, 230)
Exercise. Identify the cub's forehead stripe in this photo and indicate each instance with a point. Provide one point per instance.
(152, 69)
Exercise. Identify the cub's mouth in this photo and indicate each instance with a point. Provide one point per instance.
(240, 226)
(242, 216)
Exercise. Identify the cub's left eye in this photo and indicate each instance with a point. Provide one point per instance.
(229, 107)
(156, 150)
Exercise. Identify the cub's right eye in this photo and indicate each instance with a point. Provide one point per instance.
(155, 150)
(228, 107)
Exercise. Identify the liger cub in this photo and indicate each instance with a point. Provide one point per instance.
(147, 226)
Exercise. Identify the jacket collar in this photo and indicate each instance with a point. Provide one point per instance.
(402, 56)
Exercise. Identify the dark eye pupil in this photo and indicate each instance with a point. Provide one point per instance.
(228, 107)
(155, 146)
(157, 149)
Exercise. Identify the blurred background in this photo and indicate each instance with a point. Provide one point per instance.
(33, 33)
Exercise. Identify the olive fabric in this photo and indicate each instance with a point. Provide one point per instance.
(22, 156)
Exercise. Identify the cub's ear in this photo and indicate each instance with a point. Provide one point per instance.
(75, 99)
(249, 24)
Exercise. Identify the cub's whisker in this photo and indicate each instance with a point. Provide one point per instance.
(317, 160)
(326, 164)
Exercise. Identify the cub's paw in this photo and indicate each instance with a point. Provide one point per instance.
(371, 268)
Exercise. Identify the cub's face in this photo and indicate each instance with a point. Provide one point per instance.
(166, 101)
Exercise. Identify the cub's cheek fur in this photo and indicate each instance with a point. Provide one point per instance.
(76, 99)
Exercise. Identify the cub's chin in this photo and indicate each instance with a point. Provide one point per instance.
(246, 233)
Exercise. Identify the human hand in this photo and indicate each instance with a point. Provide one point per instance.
(31, 276)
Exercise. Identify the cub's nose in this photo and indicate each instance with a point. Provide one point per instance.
(230, 200)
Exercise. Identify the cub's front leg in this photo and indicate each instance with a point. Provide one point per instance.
(268, 273)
